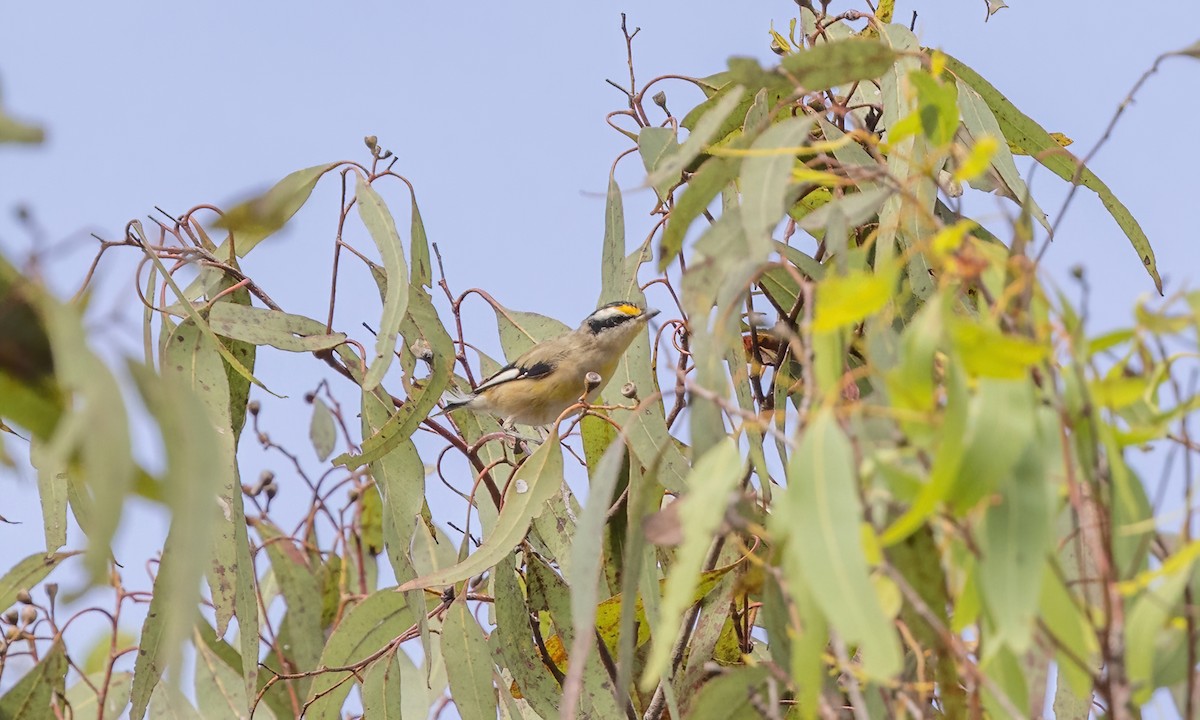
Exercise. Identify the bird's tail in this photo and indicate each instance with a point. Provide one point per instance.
(455, 399)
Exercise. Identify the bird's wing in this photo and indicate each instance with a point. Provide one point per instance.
(516, 371)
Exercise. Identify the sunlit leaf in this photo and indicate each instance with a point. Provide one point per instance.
(843, 300)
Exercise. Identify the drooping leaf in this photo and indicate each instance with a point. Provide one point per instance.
(191, 483)
(469, 666)
(665, 172)
(713, 478)
(822, 501)
(1025, 132)
(321, 430)
(423, 324)
(382, 228)
(538, 478)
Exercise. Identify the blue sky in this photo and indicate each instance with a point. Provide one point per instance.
(496, 111)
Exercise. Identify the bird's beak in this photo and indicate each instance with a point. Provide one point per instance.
(650, 312)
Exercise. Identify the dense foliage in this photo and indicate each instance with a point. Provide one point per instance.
(869, 464)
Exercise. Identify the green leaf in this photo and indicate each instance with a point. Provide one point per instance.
(30, 698)
(400, 477)
(538, 478)
(15, 131)
(422, 323)
(84, 700)
(422, 270)
(520, 330)
(382, 228)
(1001, 423)
(516, 645)
(766, 178)
(168, 703)
(381, 688)
(1014, 545)
(220, 692)
(321, 429)
(980, 122)
(714, 476)
(822, 501)
(1026, 133)
(832, 64)
(469, 665)
(730, 696)
(377, 620)
(98, 461)
(28, 573)
(712, 177)
(254, 220)
(261, 326)
(301, 636)
(191, 483)
(655, 145)
(587, 550)
(1146, 622)
(665, 172)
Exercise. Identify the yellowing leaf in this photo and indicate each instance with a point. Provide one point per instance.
(1062, 140)
(979, 159)
(847, 299)
(988, 352)
(950, 238)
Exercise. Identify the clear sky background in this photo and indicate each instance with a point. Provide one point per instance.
(496, 111)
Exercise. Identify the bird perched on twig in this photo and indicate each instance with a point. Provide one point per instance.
(551, 376)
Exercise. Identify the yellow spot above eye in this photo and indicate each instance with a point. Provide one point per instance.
(630, 309)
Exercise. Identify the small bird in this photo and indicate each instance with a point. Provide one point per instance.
(551, 376)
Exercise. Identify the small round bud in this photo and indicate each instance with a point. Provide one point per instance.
(28, 614)
(371, 142)
(777, 48)
(10, 617)
(629, 390)
(309, 397)
(593, 380)
(1077, 272)
(265, 477)
(3, 646)
(13, 634)
(270, 489)
(660, 99)
(254, 406)
(52, 591)
(24, 597)
(263, 439)
(249, 490)
(353, 494)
